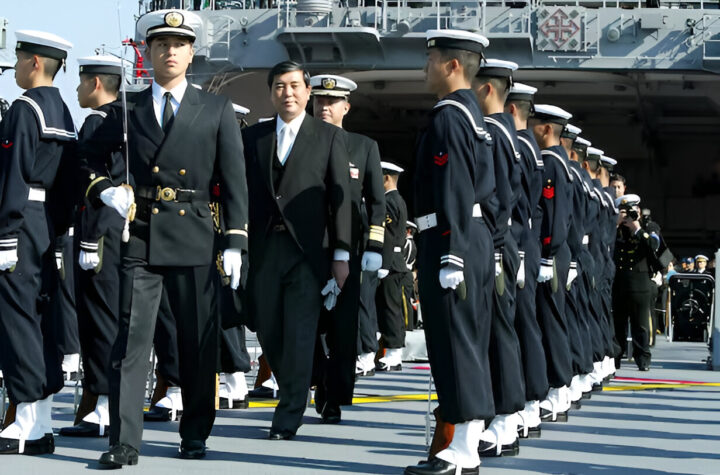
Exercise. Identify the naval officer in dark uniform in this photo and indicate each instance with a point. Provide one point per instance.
(180, 140)
(453, 176)
(300, 234)
(98, 234)
(37, 196)
(335, 372)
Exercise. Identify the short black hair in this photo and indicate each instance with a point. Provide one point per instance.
(524, 108)
(501, 84)
(469, 60)
(618, 177)
(110, 82)
(287, 67)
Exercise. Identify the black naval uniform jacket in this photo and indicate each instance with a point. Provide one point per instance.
(556, 203)
(313, 197)
(633, 253)
(395, 224)
(366, 191)
(37, 149)
(178, 232)
(528, 211)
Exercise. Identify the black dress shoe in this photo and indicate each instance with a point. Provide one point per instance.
(119, 455)
(385, 367)
(159, 414)
(532, 433)
(263, 393)
(576, 404)
(436, 466)
(237, 403)
(84, 429)
(192, 449)
(597, 387)
(44, 445)
(587, 395)
(281, 435)
(644, 368)
(360, 374)
(331, 414)
(490, 449)
(547, 416)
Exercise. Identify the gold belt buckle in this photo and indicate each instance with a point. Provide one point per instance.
(166, 194)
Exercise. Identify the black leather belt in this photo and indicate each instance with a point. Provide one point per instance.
(159, 193)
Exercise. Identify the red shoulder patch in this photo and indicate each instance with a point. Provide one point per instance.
(441, 159)
(549, 192)
(6, 144)
(546, 241)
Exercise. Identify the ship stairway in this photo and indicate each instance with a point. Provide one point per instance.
(711, 42)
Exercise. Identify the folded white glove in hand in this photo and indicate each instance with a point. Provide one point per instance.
(88, 260)
(382, 273)
(371, 261)
(330, 292)
(572, 274)
(8, 259)
(521, 270)
(120, 198)
(450, 278)
(232, 266)
(546, 270)
(498, 264)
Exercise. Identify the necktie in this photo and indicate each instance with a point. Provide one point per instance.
(283, 147)
(167, 113)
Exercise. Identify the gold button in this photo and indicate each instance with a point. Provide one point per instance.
(182, 171)
(156, 169)
(155, 211)
(181, 212)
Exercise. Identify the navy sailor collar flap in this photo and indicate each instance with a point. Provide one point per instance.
(459, 100)
(53, 117)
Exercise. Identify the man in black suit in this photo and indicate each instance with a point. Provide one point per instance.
(180, 141)
(335, 373)
(297, 168)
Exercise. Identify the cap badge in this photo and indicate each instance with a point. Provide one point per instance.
(328, 83)
(174, 19)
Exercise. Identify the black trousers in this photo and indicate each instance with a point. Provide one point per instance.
(367, 314)
(631, 302)
(527, 328)
(98, 311)
(508, 380)
(408, 286)
(551, 317)
(457, 332)
(190, 292)
(29, 355)
(234, 356)
(165, 341)
(595, 322)
(336, 372)
(391, 311)
(577, 330)
(64, 309)
(286, 306)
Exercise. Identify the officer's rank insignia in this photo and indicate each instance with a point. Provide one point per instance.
(441, 159)
(174, 19)
(328, 83)
(6, 144)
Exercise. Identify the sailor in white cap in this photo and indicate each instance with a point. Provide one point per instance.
(634, 251)
(520, 104)
(492, 85)
(701, 261)
(37, 140)
(567, 139)
(336, 373)
(97, 292)
(181, 140)
(547, 124)
(454, 183)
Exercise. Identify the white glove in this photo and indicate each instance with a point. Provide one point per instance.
(8, 259)
(450, 278)
(330, 292)
(498, 263)
(572, 274)
(58, 260)
(546, 270)
(119, 198)
(232, 266)
(371, 261)
(382, 273)
(521, 270)
(88, 260)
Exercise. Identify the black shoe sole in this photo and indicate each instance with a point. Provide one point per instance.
(237, 404)
(533, 433)
(576, 405)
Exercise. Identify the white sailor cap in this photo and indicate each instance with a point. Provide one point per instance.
(594, 153)
(701, 257)
(169, 23)
(550, 113)
(496, 68)
(331, 85)
(456, 39)
(571, 132)
(607, 162)
(100, 64)
(42, 43)
(410, 224)
(6, 65)
(240, 109)
(627, 200)
(389, 168)
(582, 143)
(521, 92)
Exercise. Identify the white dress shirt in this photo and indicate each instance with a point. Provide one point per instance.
(286, 134)
(158, 96)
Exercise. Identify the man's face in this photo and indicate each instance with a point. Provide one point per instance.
(691, 266)
(435, 71)
(538, 129)
(619, 187)
(701, 265)
(330, 109)
(170, 57)
(85, 90)
(23, 69)
(289, 94)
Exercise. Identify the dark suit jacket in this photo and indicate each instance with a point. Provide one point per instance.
(203, 145)
(313, 196)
